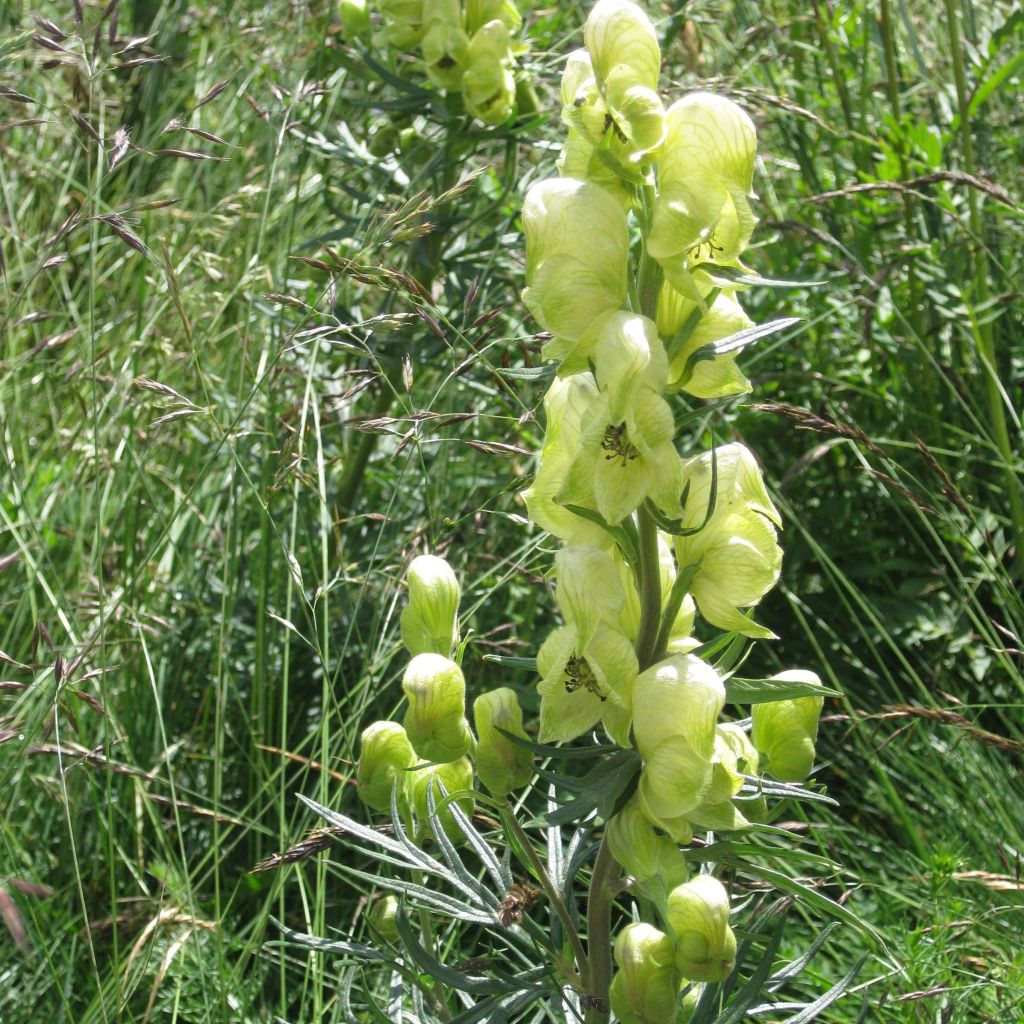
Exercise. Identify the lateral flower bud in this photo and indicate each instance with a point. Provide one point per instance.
(784, 731)
(430, 620)
(502, 765)
(384, 754)
(455, 777)
(436, 718)
(382, 918)
(645, 987)
(698, 916)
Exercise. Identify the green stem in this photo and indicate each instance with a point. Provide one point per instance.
(599, 939)
(650, 588)
(512, 824)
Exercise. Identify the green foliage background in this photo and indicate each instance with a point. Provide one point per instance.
(198, 594)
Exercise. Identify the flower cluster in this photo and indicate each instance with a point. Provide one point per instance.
(633, 266)
(434, 743)
(467, 48)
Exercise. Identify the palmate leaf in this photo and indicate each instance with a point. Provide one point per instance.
(604, 789)
(448, 976)
(565, 753)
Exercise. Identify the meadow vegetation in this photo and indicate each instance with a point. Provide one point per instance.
(262, 342)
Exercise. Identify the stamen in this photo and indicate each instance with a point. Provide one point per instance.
(578, 673)
(616, 442)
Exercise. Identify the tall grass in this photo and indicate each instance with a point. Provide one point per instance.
(197, 604)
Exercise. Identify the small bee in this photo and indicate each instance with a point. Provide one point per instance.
(515, 905)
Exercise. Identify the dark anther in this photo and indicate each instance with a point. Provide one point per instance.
(617, 444)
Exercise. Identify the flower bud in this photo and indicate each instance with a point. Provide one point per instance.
(654, 860)
(645, 987)
(502, 765)
(430, 622)
(382, 918)
(384, 754)
(619, 33)
(455, 776)
(698, 916)
(436, 718)
(784, 731)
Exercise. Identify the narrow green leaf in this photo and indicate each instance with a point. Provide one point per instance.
(442, 972)
(763, 691)
(824, 1001)
(809, 896)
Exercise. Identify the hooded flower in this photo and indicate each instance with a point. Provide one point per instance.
(695, 367)
(698, 917)
(566, 404)
(445, 46)
(735, 553)
(645, 987)
(488, 85)
(480, 12)
(618, 33)
(501, 764)
(384, 754)
(653, 859)
(436, 718)
(626, 451)
(403, 22)
(676, 704)
(430, 619)
(576, 249)
(784, 731)
(706, 166)
(587, 667)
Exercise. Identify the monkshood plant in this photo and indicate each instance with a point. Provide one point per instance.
(468, 49)
(650, 845)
